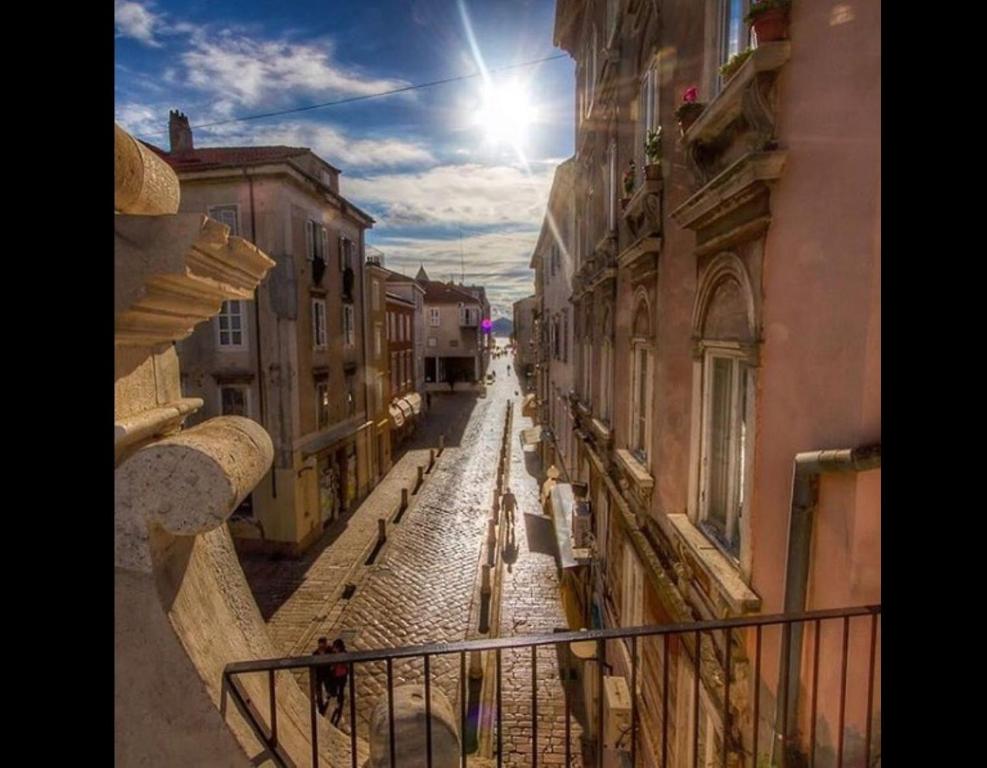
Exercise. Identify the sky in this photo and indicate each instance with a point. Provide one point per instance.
(456, 175)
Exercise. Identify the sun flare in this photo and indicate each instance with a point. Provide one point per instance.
(505, 114)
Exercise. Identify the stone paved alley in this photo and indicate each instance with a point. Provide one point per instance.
(422, 585)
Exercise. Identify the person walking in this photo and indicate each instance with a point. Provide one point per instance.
(323, 677)
(508, 503)
(340, 674)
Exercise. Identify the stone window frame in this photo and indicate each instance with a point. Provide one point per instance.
(726, 266)
(322, 410)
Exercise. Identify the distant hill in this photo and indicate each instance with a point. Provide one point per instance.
(503, 326)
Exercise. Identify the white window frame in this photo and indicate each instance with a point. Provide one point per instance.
(245, 389)
(731, 541)
(320, 386)
(434, 318)
(349, 324)
(638, 419)
(219, 213)
(320, 336)
(225, 311)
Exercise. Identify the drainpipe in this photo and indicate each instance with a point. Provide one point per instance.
(805, 500)
(260, 368)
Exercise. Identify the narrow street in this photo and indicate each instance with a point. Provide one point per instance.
(422, 585)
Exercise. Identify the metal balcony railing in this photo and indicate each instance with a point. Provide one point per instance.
(706, 635)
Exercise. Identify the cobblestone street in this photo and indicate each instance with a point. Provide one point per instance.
(531, 604)
(422, 585)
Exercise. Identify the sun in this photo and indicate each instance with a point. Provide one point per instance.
(505, 114)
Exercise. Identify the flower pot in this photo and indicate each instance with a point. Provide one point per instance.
(687, 115)
(771, 26)
(652, 171)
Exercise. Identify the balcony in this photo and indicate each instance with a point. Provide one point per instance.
(729, 666)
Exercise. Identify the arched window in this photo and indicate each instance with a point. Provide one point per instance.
(642, 376)
(725, 326)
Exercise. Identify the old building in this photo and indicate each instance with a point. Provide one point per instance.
(726, 329)
(408, 289)
(405, 402)
(294, 360)
(526, 312)
(457, 346)
(378, 364)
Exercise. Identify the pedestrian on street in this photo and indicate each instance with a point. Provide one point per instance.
(508, 503)
(340, 673)
(323, 676)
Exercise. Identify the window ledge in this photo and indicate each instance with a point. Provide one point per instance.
(635, 469)
(602, 430)
(728, 104)
(717, 571)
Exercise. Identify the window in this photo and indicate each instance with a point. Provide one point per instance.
(394, 371)
(733, 35)
(345, 254)
(611, 186)
(228, 215)
(234, 400)
(318, 324)
(349, 325)
(375, 290)
(407, 328)
(316, 242)
(231, 325)
(640, 405)
(322, 404)
(433, 317)
(350, 395)
(587, 369)
(378, 332)
(726, 372)
(648, 115)
(432, 341)
(606, 380)
(726, 424)
(469, 316)
(565, 335)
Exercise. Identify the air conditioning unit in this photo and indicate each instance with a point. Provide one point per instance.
(616, 713)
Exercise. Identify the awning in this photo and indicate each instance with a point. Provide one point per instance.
(397, 418)
(530, 436)
(415, 401)
(563, 502)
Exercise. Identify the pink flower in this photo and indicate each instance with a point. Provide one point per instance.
(690, 94)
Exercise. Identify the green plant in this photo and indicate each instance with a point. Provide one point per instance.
(652, 146)
(689, 110)
(630, 175)
(735, 62)
(762, 6)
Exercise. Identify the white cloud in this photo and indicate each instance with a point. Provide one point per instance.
(468, 195)
(141, 119)
(253, 71)
(496, 260)
(136, 21)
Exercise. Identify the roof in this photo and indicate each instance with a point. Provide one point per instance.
(422, 274)
(443, 293)
(393, 297)
(206, 158)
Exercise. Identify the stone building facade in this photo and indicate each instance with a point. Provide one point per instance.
(405, 402)
(526, 312)
(726, 329)
(378, 365)
(294, 360)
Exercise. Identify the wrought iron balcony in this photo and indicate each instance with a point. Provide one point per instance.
(728, 658)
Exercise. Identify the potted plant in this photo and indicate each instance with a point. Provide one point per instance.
(652, 154)
(735, 62)
(689, 109)
(630, 175)
(769, 20)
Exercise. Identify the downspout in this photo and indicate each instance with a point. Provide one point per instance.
(805, 500)
(260, 368)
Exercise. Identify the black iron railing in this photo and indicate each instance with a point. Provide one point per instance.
(727, 630)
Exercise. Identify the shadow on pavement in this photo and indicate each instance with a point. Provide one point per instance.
(541, 534)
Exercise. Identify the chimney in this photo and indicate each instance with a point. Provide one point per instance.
(179, 133)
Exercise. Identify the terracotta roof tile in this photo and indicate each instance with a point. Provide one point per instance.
(222, 157)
